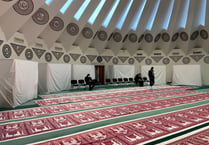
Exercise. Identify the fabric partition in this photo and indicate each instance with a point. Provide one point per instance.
(159, 72)
(187, 75)
(18, 82)
(54, 77)
(80, 71)
(123, 71)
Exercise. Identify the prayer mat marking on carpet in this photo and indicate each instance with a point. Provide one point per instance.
(55, 109)
(15, 130)
(139, 131)
(63, 98)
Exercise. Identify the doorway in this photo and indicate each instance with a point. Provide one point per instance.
(99, 74)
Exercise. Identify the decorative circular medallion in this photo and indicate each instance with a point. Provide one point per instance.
(115, 60)
(140, 38)
(7, 51)
(206, 59)
(83, 59)
(99, 59)
(194, 35)
(166, 61)
(48, 57)
(41, 16)
(132, 37)
(72, 29)
(117, 37)
(148, 37)
(24, 7)
(184, 36)
(148, 61)
(66, 58)
(56, 24)
(175, 36)
(157, 38)
(166, 37)
(87, 32)
(204, 34)
(186, 60)
(102, 35)
(28, 54)
(131, 61)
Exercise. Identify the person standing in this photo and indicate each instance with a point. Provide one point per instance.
(151, 76)
(89, 81)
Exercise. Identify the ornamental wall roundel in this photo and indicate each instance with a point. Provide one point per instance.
(148, 61)
(83, 59)
(186, 60)
(48, 57)
(184, 36)
(117, 37)
(7, 51)
(66, 58)
(132, 37)
(175, 36)
(56, 24)
(157, 38)
(72, 29)
(87, 32)
(194, 35)
(140, 38)
(102, 35)
(148, 37)
(166, 61)
(115, 60)
(206, 59)
(131, 61)
(204, 34)
(165, 37)
(24, 7)
(28, 54)
(99, 59)
(41, 16)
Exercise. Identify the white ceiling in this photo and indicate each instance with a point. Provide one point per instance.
(36, 20)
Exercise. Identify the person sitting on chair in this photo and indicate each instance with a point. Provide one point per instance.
(89, 81)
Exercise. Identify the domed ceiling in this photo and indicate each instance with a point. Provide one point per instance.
(113, 25)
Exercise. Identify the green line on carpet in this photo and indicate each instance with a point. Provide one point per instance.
(76, 129)
(102, 107)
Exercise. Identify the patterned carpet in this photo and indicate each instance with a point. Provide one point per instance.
(119, 116)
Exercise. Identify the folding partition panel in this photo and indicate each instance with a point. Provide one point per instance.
(123, 71)
(54, 77)
(159, 72)
(80, 71)
(18, 82)
(187, 75)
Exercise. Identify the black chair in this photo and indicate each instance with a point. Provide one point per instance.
(108, 81)
(81, 83)
(125, 80)
(74, 84)
(131, 80)
(120, 80)
(115, 81)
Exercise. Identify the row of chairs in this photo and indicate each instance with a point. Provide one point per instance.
(119, 81)
(78, 84)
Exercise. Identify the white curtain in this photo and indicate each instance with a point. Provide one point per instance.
(80, 71)
(159, 72)
(123, 71)
(18, 82)
(187, 75)
(54, 77)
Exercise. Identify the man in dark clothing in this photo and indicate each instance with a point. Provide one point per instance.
(151, 76)
(89, 81)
